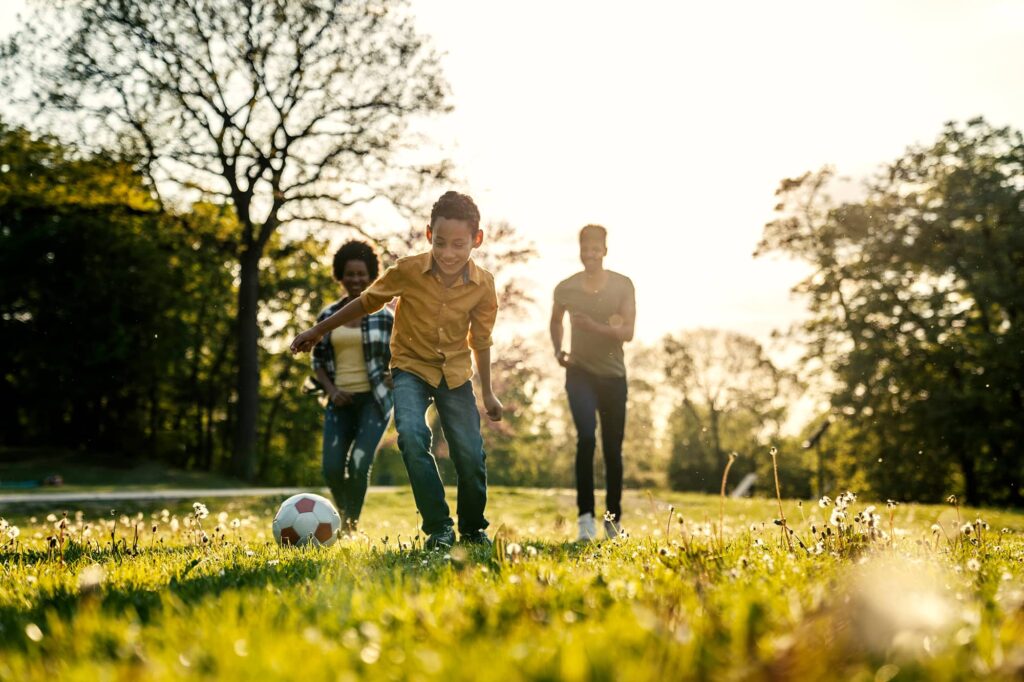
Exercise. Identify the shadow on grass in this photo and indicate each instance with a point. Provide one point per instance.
(196, 574)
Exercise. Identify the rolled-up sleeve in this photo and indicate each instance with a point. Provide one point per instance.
(482, 317)
(378, 294)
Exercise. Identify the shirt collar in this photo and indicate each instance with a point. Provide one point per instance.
(470, 273)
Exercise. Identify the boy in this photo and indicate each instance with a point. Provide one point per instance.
(602, 307)
(446, 308)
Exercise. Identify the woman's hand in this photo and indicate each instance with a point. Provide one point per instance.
(563, 358)
(305, 341)
(341, 398)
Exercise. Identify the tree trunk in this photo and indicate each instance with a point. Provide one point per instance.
(247, 385)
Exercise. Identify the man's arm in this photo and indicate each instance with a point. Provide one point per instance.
(305, 341)
(492, 405)
(620, 327)
(558, 332)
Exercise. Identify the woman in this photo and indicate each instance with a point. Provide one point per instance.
(602, 308)
(351, 364)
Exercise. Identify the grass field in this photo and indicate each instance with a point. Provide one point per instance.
(895, 597)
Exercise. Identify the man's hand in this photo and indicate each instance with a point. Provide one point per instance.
(305, 341)
(493, 407)
(563, 358)
(341, 398)
(583, 322)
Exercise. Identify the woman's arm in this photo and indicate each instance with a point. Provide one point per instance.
(334, 394)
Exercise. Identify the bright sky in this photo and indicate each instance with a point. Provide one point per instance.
(671, 124)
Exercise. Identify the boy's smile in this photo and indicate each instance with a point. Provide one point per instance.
(452, 242)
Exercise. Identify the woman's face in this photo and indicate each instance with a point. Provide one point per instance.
(355, 277)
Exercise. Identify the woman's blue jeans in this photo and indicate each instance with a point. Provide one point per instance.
(351, 436)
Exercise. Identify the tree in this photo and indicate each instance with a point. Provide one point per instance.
(293, 112)
(917, 311)
(731, 400)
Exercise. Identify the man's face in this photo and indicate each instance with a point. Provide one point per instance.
(452, 241)
(592, 252)
(355, 277)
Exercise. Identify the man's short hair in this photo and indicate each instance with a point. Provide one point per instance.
(592, 231)
(455, 206)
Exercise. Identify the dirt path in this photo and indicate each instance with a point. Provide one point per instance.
(152, 495)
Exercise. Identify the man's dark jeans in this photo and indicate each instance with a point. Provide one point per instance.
(460, 421)
(351, 436)
(591, 396)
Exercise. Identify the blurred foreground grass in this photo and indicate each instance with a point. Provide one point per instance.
(918, 596)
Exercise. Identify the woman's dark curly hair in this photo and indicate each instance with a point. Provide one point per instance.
(356, 251)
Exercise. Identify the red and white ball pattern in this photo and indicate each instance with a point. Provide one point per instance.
(306, 518)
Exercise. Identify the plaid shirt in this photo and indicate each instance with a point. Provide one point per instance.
(376, 329)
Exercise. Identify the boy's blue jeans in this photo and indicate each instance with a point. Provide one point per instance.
(460, 421)
(351, 436)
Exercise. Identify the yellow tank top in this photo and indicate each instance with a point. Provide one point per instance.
(349, 362)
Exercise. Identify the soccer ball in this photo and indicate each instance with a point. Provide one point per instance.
(306, 518)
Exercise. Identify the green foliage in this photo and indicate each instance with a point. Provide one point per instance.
(731, 400)
(141, 596)
(917, 312)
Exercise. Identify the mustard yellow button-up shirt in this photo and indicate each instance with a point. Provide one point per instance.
(436, 326)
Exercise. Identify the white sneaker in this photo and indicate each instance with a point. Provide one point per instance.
(588, 528)
(612, 529)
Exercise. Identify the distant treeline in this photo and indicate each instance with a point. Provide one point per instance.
(117, 320)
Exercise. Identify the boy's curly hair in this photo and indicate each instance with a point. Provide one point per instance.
(456, 206)
(356, 250)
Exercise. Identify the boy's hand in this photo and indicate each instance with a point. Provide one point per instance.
(563, 358)
(493, 407)
(305, 341)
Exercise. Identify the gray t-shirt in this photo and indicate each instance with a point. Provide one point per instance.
(596, 353)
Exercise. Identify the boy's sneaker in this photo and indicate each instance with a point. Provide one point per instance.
(477, 537)
(442, 539)
(588, 529)
(612, 529)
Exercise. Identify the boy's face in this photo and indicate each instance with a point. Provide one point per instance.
(453, 241)
(592, 252)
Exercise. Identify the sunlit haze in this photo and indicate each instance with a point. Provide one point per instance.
(672, 123)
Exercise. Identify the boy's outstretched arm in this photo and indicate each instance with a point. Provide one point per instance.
(305, 341)
(492, 405)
